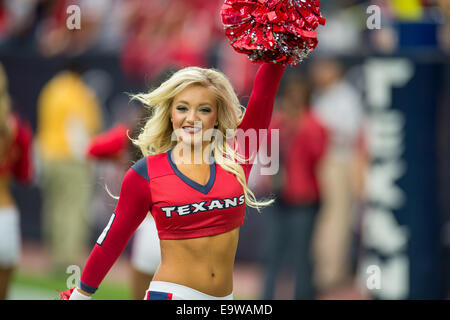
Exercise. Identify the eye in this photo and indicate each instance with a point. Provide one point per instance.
(205, 110)
(181, 108)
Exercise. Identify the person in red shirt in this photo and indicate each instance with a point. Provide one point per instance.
(15, 165)
(302, 144)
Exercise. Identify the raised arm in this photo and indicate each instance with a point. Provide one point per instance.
(260, 105)
(259, 111)
(132, 207)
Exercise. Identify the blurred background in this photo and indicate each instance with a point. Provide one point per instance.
(362, 208)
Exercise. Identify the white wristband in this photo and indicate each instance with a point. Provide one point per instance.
(77, 295)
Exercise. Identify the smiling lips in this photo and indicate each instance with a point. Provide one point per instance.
(192, 130)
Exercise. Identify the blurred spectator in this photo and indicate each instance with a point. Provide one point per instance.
(237, 68)
(182, 30)
(342, 34)
(15, 164)
(408, 24)
(384, 38)
(57, 36)
(302, 143)
(68, 115)
(17, 20)
(407, 10)
(340, 108)
(185, 30)
(444, 5)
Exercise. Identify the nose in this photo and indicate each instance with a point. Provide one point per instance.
(191, 117)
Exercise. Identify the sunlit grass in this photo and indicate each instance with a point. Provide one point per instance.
(49, 283)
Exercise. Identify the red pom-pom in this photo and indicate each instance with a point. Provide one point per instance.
(65, 295)
(280, 31)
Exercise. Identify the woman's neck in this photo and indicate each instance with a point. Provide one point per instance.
(191, 154)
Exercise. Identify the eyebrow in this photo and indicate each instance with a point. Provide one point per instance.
(201, 104)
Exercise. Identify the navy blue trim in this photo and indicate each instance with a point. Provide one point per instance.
(197, 186)
(141, 168)
(157, 295)
(88, 289)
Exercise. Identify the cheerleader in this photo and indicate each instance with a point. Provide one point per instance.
(193, 176)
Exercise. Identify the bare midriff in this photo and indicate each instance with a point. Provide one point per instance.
(204, 264)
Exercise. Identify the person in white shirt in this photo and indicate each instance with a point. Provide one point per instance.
(339, 105)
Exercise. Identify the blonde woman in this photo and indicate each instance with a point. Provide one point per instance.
(15, 164)
(193, 180)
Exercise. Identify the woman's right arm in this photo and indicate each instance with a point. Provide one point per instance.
(132, 207)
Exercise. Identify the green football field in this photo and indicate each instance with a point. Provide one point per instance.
(28, 286)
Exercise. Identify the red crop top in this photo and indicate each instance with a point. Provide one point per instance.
(181, 207)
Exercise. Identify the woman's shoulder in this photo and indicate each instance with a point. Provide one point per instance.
(141, 168)
(150, 166)
(151, 157)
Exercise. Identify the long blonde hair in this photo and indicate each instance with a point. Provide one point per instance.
(156, 135)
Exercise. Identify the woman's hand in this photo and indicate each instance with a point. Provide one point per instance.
(74, 294)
